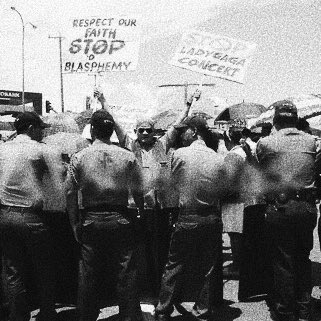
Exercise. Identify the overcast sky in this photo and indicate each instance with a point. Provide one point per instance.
(286, 61)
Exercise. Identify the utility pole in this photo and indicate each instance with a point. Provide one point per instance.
(186, 86)
(61, 79)
(23, 54)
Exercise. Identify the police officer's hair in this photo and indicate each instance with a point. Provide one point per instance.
(104, 132)
(235, 136)
(285, 120)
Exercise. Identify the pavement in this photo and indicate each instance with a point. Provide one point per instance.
(232, 310)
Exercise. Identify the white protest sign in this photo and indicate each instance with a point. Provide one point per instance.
(101, 44)
(213, 55)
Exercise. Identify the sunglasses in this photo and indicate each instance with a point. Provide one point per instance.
(147, 130)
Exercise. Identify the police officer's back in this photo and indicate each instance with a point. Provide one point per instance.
(287, 161)
(104, 174)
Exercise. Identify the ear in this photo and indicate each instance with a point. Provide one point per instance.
(135, 130)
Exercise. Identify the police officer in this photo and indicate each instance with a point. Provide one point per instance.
(287, 159)
(104, 173)
(199, 177)
(25, 237)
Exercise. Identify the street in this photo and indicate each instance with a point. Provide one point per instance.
(232, 310)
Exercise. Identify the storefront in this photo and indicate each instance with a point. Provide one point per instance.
(11, 102)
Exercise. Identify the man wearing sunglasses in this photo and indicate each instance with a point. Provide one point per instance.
(153, 155)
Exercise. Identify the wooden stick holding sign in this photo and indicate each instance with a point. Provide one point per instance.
(196, 95)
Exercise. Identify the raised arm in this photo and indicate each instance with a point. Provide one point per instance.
(120, 132)
(171, 132)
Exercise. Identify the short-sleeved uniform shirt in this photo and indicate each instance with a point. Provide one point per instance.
(104, 173)
(22, 167)
(199, 176)
(287, 159)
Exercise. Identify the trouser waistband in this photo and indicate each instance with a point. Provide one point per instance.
(106, 208)
(205, 211)
(20, 208)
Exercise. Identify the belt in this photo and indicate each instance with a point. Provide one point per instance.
(20, 208)
(304, 195)
(204, 211)
(106, 208)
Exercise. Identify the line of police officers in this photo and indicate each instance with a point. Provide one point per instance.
(197, 178)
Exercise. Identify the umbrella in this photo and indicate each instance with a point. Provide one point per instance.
(83, 118)
(167, 118)
(67, 143)
(308, 106)
(242, 110)
(62, 122)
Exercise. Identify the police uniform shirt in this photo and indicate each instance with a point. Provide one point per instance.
(104, 173)
(287, 159)
(22, 166)
(199, 176)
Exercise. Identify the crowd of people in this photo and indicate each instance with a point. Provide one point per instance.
(164, 201)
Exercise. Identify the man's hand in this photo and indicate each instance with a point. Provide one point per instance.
(99, 95)
(196, 95)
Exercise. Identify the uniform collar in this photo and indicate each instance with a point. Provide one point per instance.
(22, 138)
(289, 131)
(198, 142)
(100, 142)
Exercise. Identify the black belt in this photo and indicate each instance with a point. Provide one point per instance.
(205, 211)
(282, 197)
(106, 208)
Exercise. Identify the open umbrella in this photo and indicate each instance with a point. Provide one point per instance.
(82, 119)
(243, 110)
(167, 118)
(308, 106)
(66, 143)
(62, 122)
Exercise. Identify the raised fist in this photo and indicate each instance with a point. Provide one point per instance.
(197, 94)
(99, 94)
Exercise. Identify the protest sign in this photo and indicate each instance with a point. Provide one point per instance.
(213, 55)
(101, 44)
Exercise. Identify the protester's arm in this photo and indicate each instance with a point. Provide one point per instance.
(72, 198)
(120, 132)
(172, 132)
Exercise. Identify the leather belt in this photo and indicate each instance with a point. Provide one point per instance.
(106, 208)
(205, 211)
(282, 197)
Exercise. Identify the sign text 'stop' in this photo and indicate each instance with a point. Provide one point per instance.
(213, 55)
(101, 44)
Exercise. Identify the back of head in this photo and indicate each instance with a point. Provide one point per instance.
(285, 114)
(196, 122)
(102, 123)
(26, 119)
